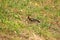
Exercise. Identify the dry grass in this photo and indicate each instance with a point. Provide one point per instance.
(13, 19)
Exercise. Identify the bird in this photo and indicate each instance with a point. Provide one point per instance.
(33, 19)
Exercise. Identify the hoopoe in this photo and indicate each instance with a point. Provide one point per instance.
(33, 20)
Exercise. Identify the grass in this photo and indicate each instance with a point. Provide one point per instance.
(13, 14)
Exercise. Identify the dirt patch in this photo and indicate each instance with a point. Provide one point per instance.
(30, 35)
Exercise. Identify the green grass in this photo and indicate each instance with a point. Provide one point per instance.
(14, 12)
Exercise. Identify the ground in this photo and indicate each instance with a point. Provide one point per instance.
(14, 24)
